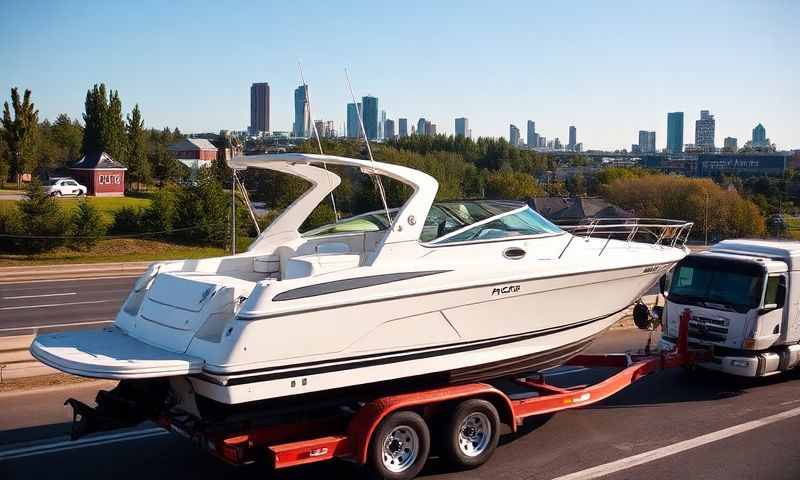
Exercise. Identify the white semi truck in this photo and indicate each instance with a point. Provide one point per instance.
(743, 302)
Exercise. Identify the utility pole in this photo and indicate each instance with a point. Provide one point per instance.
(706, 219)
(233, 211)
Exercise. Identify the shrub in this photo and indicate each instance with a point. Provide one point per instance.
(41, 216)
(87, 226)
(127, 220)
(159, 216)
(204, 211)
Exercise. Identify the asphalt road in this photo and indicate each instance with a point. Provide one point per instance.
(666, 426)
(60, 303)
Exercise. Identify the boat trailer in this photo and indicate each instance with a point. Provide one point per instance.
(360, 435)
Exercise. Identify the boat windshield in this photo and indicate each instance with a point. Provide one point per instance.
(450, 221)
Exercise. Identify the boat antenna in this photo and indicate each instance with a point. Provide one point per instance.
(376, 179)
(319, 143)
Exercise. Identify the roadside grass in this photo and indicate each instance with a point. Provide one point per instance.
(121, 250)
(106, 205)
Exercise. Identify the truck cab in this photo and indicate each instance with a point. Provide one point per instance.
(742, 299)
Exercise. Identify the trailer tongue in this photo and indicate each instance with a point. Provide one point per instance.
(391, 434)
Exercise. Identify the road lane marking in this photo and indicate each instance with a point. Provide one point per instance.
(54, 325)
(73, 279)
(82, 443)
(90, 302)
(659, 453)
(18, 297)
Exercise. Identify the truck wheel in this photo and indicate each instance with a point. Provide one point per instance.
(399, 447)
(471, 434)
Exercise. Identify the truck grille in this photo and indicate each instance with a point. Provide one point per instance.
(709, 329)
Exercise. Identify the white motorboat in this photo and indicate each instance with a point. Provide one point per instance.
(445, 292)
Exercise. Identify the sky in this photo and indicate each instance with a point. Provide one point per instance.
(610, 68)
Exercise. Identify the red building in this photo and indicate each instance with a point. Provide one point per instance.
(102, 175)
(194, 149)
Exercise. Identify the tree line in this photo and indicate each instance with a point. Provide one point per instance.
(32, 147)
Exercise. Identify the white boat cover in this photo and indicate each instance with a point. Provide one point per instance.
(109, 353)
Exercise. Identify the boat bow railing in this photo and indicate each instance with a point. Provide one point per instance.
(659, 231)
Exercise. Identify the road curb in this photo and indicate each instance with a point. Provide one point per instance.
(69, 271)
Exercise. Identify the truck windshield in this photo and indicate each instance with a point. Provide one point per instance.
(702, 282)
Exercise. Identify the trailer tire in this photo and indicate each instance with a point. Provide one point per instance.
(471, 434)
(399, 447)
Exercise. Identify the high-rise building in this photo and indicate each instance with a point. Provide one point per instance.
(422, 126)
(462, 127)
(542, 141)
(573, 137)
(513, 135)
(704, 132)
(760, 136)
(647, 141)
(259, 108)
(532, 138)
(431, 128)
(353, 127)
(730, 144)
(319, 125)
(402, 127)
(675, 132)
(388, 129)
(382, 125)
(302, 113)
(370, 113)
(330, 129)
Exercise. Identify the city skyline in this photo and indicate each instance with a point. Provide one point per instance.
(745, 78)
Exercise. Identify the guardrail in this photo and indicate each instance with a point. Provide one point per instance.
(660, 231)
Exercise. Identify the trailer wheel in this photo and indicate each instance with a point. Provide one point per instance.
(399, 447)
(471, 434)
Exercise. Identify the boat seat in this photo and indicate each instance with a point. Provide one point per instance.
(319, 263)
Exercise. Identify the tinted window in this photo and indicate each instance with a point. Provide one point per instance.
(523, 223)
(696, 284)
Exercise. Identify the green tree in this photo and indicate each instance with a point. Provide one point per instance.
(41, 216)
(127, 220)
(87, 226)
(59, 142)
(138, 162)
(94, 119)
(160, 215)
(114, 130)
(105, 127)
(205, 210)
(510, 185)
(19, 133)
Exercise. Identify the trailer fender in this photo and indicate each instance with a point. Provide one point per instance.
(368, 417)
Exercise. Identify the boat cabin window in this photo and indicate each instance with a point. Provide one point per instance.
(368, 222)
(519, 223)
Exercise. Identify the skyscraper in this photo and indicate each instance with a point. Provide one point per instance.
(513, 135)
(302, 113)
(462, 127)
(259, 108)
(730, 144)
(760, 136)
(320, 127)
(388, 129)
(370, 113)
(402, 127)
(353, 112)
(422, 126)
(382, 125)
(675, 132)
(573, 137)
(704, 132)
(647, 141)
(431, 128)
(532, 138)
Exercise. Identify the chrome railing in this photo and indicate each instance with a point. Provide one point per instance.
(661, 231)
